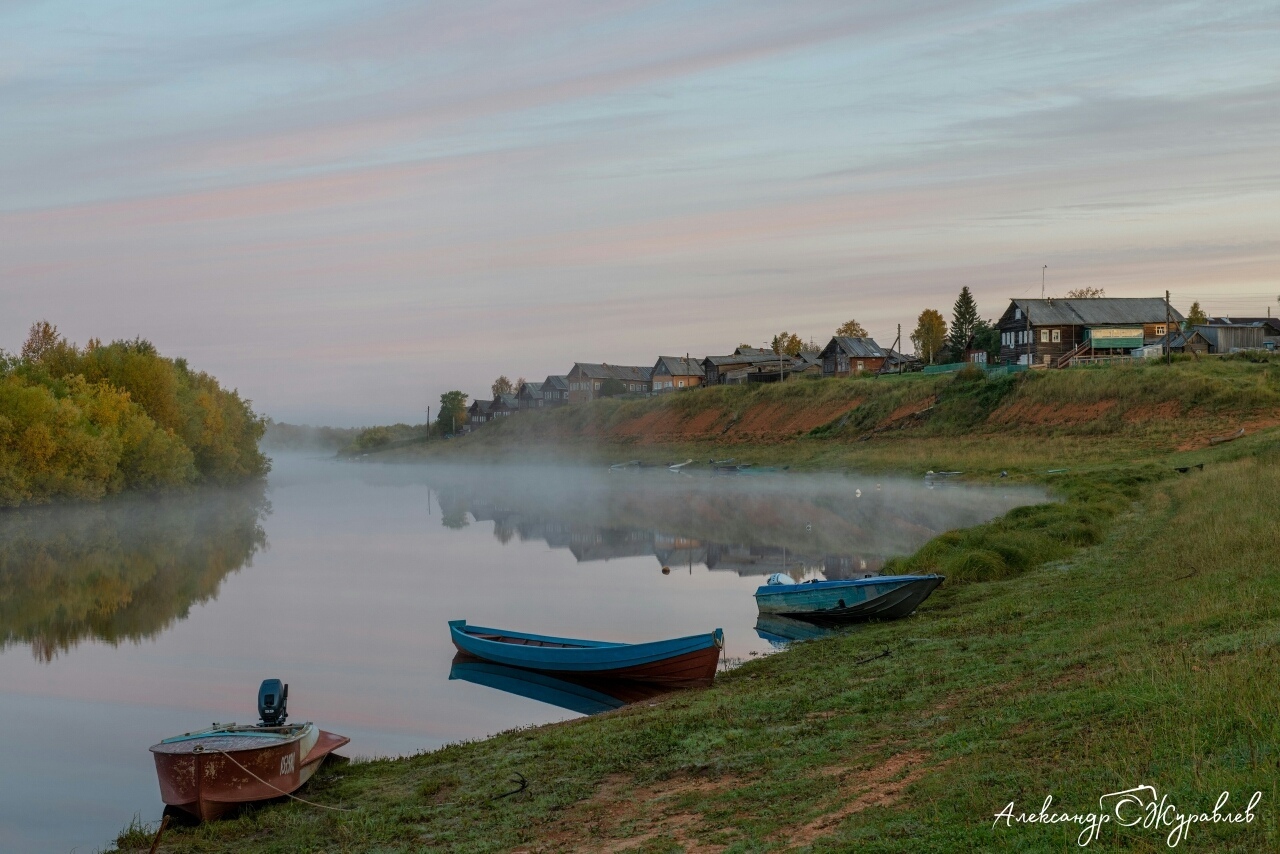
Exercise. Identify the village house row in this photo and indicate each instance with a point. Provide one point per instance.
(1034, 333)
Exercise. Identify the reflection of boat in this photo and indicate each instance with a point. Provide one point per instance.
(629, 464)
(584, 695)
(209, 772)
(678, 662)
(750, 469)
(679, 466)
(780, 631)
(882, 597)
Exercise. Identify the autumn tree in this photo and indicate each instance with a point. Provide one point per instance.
(501, 385)
(930, 335)
(453, 411)
(1086, 293)
(852, 329)
(1196, 315)
(42, 338)
(964, 321)
(787, 342)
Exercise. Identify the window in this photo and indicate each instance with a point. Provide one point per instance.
(680, 383)
(1044, 336)
(1160, 328)
(859, 367)
(1017, 314)
(1057, 336)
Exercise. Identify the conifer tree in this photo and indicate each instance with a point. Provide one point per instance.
(964, 320)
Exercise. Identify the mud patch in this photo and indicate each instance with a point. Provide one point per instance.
(779, 419)
(1166, 411)
(1022, 413)
(623, 817)
(881, 786)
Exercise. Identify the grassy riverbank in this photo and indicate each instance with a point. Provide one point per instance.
(1124, 636)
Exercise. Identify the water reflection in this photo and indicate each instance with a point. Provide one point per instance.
(581, 695)
(807, 526)
(780, 631)
(122, 570)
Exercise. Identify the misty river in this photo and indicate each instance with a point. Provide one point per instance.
(136, 619)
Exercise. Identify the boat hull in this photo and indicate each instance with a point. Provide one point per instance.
(680, 662)
(883, 598)
(208, 776)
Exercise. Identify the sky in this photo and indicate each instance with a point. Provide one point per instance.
(344, 209)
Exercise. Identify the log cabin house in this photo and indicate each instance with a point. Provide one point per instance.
(676, 372)
(586, 379)
(845, 356)
(1051, 332)
(555, 390)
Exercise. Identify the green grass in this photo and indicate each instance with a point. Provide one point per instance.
(1127, 635)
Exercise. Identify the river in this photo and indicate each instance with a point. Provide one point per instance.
(128, 621)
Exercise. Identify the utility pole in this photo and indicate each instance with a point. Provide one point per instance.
(1168, 322)
(1042, 269)
(428, 423)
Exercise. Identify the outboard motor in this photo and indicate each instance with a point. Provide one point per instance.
(273, 697)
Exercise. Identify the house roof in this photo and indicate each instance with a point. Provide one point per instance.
(859, 348)
(806, 358)
(676, 366)
(481, 406)
(604, 371)
(1183, 337)
(534, 388)
(508, 400)
(1272, 322)
(753, 351)
(558, 382)
(1104, 311)
(741, 359)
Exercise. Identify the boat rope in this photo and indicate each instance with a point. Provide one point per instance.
(887, 652)
(277, 788)
(519, 779)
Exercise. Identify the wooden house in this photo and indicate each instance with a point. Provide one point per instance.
(1190, 341)
(676, 372)
(478, 413)
(530, 395)
(1051, 332)
(735, 368)
(586, 379)
(846, 356)
(503, 405)
(555, 390)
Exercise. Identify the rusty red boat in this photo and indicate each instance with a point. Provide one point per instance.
(209, 772)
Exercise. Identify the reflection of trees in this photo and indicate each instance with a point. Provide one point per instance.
(843, 527)
(122, 570)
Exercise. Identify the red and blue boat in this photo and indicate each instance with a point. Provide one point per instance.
(678, 662)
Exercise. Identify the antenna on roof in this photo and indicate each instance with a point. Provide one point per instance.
(1042, 269)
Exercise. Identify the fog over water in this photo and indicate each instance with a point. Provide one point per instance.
(126, 622)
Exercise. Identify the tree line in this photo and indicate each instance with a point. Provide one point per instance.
(85, 422)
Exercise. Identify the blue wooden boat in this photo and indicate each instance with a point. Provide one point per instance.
(880, 597)
(586, 696)
(677, 662)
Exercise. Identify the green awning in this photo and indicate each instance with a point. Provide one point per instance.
(1115, 337)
